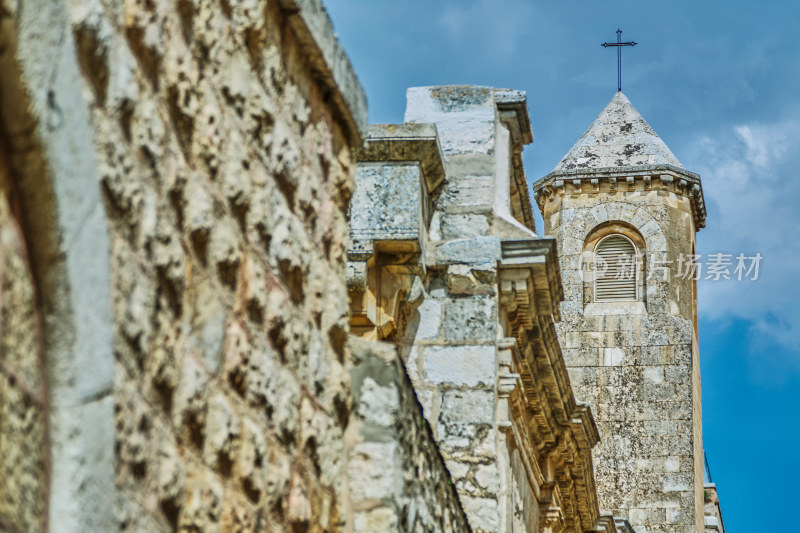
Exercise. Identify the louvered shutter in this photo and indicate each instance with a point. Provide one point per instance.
(617, 282)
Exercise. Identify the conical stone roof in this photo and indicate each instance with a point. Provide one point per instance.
(618, 137)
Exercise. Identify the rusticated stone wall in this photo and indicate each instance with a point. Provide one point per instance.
(24, 454)
(215, 138)
(226, 175)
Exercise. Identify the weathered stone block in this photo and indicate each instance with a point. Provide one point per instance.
(460, 365)
(484, 514)
(375, 471)
(388, 204)
(464, 226)
(430, 319)
(613, 357)
(471, 318)
(467, 407)
(378, 404)
(583, 357)
(480, 250)
(472, 192)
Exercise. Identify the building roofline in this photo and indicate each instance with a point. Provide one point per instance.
(591, 180)
(313, 27)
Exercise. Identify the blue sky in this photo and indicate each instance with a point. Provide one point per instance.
(720, 83)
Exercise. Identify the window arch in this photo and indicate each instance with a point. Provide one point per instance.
(616, 270)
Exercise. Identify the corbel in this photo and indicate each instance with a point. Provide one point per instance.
(507, 380)
(380, 285)
(384, 261)
(551, 507)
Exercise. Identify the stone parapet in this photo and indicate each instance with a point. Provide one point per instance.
(398, 143)
(388, 438)
(398, 169)
(329, 62)
(482, 132)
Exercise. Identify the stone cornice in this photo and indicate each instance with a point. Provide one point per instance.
(615, 179)
(512, 109)
(584, 426)
(309, 21)
(530, 294)
(395, 143)
(538, 257)
(512, 106)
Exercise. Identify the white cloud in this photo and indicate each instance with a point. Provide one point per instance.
(751, 184)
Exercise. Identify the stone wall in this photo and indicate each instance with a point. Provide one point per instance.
(212, 141)
(226, 175)
(24, 450)
(389, 441)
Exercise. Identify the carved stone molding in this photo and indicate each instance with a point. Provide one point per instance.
(378, 288)
(555, 435)
(625, 179)
(393, 143)
(512, 109)
(530, 280)
(507, 380)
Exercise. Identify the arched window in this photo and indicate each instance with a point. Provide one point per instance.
(615, 270)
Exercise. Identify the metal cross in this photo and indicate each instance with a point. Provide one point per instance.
(619, 44)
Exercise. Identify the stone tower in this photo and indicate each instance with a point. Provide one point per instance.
(625, 212)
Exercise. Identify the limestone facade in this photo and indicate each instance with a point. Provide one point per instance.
(444, 263)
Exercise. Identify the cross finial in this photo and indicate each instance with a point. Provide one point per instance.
(619, 44)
